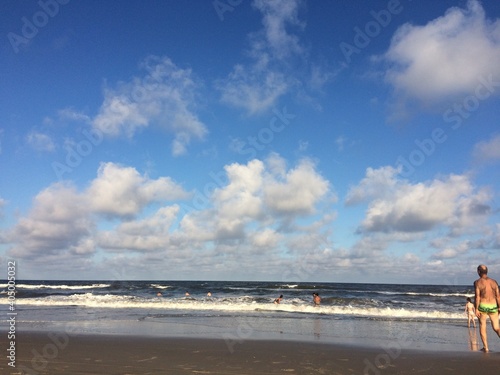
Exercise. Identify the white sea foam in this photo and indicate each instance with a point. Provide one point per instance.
(69, 287)
(158, 286)
(290, 286)
(232, 304)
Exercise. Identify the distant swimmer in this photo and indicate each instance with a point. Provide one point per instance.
(278, 300)
(158, 294)
(487, 300)
(470, 311)
(316, 299)
(209, 294)
(187, 294)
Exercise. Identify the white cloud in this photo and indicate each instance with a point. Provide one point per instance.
(276, 16)
(64, 221)
(146, 235)
(258, 198)
(164, 97)
(247, 219)
(398, 206)
(445, 57)
(488, 150)
(123, 192)
(70, 114)
(257, 86)
(298, 192)
(40, 142)
(267, 238)
(59, 221)
(378, 183)
(449, 250)
(254, 90)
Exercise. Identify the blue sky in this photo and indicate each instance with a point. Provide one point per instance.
(250, 140)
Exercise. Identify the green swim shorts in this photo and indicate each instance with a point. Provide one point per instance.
(488, 308)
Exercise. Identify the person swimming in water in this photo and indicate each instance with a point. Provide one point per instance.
(470, 310)
(316, 299)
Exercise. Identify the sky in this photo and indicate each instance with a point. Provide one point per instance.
(280, 140)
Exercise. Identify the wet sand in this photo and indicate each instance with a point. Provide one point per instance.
(58, 353)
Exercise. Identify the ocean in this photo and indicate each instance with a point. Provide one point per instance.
(416, 316)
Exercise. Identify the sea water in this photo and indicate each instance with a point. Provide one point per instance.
(386, 315)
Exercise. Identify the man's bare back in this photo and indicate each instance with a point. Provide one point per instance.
(487, 301)
(487, 290)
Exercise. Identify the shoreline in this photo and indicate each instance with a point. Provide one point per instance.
(58, 353)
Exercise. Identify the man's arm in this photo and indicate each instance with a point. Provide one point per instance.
(477, 297)
(497, 294)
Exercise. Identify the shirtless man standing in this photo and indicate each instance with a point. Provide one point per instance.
(487, 300)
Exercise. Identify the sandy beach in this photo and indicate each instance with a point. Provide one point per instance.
(58, 353)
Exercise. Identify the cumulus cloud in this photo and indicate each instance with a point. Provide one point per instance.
(248, 218)
(239, 201)
(445, 57)
(165, 97)
(378, 183)
(258, 85)
(267, 238)
(395, 205)
(65, 221)
(298, 192)
(451, 250)
(59, 221)
(145, 235)
(122, 192)
(487, 151)
(259, 197)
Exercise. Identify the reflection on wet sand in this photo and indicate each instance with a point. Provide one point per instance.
(473, 339)
(317, 328)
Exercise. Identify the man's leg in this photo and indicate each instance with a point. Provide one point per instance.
(482, 331)
(494, 323)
